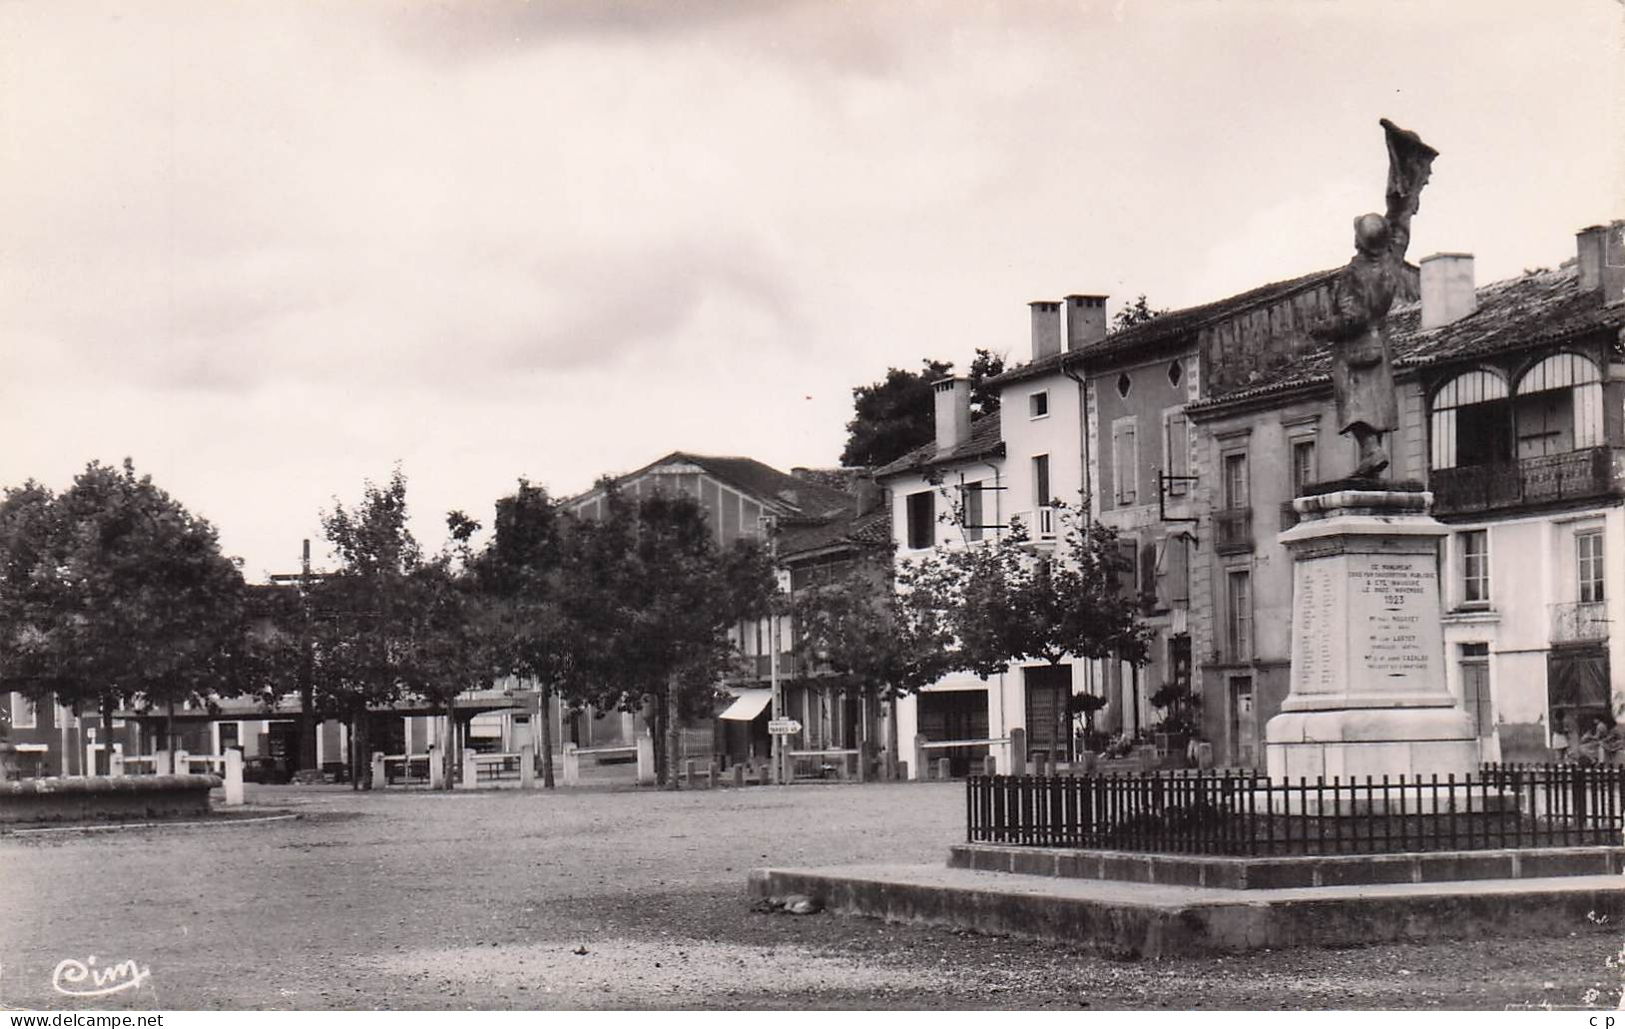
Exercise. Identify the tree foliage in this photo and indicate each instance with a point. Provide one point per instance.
(860, 625)
(647, 599)
(112, 594)
(390, 623)
(1006, 599)
(893, 416)
(1136, 313)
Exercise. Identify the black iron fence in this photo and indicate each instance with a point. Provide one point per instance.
(1231, 813)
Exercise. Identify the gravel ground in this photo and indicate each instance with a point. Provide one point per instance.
(408, 899)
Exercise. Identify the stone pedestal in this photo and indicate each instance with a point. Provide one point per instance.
(1368, 694)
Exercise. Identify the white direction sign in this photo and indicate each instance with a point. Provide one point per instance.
(783, 726)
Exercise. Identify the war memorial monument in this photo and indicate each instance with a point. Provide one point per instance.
(1374, 819)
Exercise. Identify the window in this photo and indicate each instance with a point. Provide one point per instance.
(1125, 460)
(1236, 494)
(1588, 556)
(971, 504)
(1038, 404)
(1176, 373)
(1176, 449)
(1304, 470)
(1041, 494)
(23, 715)
(1475, 685)
(1124, 384)
(1475, 567)
(1239, 612)
(1471, 421)
(922, 519)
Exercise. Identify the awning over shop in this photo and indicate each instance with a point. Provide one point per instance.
(747, 705)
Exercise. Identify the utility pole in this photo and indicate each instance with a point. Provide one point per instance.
(771, 525)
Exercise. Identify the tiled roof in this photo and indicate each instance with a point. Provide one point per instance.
(802, 497)
(1169, 327)
(1539, 307)
(984, 439)
(872, 529)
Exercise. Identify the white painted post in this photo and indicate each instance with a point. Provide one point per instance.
(1018, 751)
(90, 758)
(527, 767)
(160, 762)
(688, 773)
(183, 763)
(646, 759)
(921, 769)
(116, 766)
(739, 775)
(572, 765)
(380, 777)
(437, 767)
(712, 773)
(234, 777)
(471, 771)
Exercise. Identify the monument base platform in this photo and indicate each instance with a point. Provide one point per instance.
(1155, 920)
(1352, 743)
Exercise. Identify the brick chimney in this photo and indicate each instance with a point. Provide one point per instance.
(1602, 260)
(952, 411)
(1448, 290)
(1046, 328)
(1085, 319)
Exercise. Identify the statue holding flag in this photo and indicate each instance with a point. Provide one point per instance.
(1357, 327)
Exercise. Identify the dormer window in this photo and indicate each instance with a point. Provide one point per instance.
(1038, 404)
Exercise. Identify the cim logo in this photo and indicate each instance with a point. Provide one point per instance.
(74, 978)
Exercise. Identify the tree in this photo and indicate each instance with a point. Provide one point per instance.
(1137, 313)
(391, 623)
(1008, 600)
(520, 576)
(113, 594)
(859, 625)
(893, 416)
(650, 597)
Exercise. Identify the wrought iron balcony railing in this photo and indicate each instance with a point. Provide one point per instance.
(1579, 622)
(1577, 475)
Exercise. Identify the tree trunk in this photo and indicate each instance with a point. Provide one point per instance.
(655, 720)
(891, 738)
(545, 746)
(445, 757)
(169, 733)
(364, 751)
(672, 731)
(307, 724)
(108, 707)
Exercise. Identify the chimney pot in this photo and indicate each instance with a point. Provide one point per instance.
(1046, 328)
(1448, 290)
(952, 412)
(1601, 250)
(1085, 319)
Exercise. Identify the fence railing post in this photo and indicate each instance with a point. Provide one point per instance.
(920, 767)
(471, 771)
(572, 765)
(1018, 751)
(380, 776)
(527, 767)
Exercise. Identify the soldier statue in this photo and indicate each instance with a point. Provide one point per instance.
(1357, 327)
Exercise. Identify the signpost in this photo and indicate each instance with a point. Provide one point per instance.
(783, 727)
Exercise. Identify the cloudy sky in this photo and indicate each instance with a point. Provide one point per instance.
(270, 250)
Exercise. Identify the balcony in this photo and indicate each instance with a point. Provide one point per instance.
(752, 667)
(1577, 475)
(1233, 530)
(1581, 622)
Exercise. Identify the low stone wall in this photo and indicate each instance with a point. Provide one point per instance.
(105, 798)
